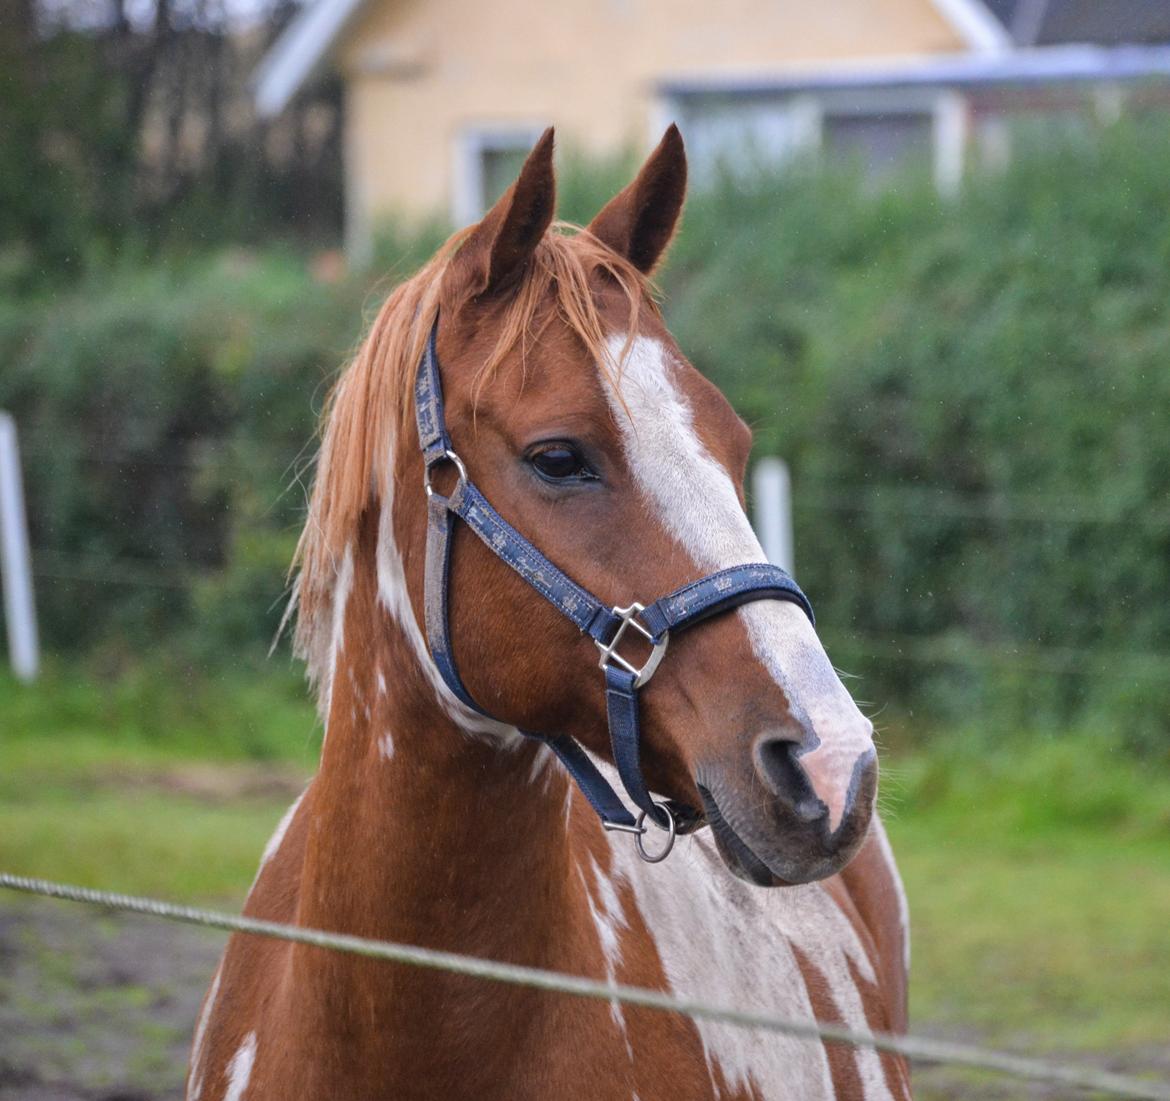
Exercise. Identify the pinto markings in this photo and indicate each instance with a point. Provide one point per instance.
(878, 830)
(732, 945)
(610, 922)
(239, 1070)
(196, 1088)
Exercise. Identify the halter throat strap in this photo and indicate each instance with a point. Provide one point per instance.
(607, 626)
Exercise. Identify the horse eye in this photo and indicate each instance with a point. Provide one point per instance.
(560, 461)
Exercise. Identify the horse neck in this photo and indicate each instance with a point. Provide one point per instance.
(422, 833)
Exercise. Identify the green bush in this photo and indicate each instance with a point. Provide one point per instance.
(166, 417)
(973, 396)
(975, 402)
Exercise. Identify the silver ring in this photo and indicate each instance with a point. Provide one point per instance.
(671, 834)
(450, 457)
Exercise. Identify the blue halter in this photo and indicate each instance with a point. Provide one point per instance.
(607, 626)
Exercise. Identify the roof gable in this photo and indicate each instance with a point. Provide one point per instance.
(306, 44)
(1059, 22)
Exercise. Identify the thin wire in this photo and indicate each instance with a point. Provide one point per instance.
(940, 502)
(935, 500)
(963, 650)
(939, 649)
(916, 1048)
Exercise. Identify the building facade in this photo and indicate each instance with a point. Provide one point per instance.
(444, 97)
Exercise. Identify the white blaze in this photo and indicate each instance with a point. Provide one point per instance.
(696, 502)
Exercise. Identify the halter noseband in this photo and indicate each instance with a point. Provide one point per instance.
(699, 600)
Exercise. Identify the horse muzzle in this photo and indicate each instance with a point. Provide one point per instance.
(791, 816)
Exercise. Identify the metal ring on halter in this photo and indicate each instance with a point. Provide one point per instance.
(671, 834)
(451, 457)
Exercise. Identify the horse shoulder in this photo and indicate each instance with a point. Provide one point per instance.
(870, 888)
(229, 1033)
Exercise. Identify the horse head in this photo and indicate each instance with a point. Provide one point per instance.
(580, 420)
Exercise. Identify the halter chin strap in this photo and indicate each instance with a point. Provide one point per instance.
(654, 623)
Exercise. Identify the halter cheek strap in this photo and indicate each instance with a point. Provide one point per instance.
(655, 623)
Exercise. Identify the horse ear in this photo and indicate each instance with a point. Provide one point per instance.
(639, 222)
(496, 251)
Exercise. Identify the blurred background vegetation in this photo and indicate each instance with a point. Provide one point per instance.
(971, 394)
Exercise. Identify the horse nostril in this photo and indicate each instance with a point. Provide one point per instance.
(776, 763)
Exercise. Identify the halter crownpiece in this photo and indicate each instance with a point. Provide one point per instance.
(683, 608)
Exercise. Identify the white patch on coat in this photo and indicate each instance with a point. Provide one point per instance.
(277, 838)
(695, 500)
(395, 598)
(196, 1089)
(878, 830)
(542, 765)
(381, 683)
(239, 1070)
(386, 746)
(732, 944)
(342, 587)
(610, 922)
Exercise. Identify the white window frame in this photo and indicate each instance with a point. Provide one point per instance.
(808, 110)
(947, 110)
(471, 143)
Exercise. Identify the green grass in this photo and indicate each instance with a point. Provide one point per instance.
(164, 710)
(1039, 885)
(154, 782)
(1038, 876)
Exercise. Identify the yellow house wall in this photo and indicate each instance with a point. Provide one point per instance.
(418, 72)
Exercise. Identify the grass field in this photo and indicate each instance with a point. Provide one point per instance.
(1039, 877)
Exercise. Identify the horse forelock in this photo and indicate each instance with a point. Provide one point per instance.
(373, 400)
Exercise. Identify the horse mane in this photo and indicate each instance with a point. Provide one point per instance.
(373, 401)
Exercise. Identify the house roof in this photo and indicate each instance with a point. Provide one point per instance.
(304, 47)
(299, 52)
(1049, 64)
(1053, 22)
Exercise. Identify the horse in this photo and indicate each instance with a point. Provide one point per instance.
(433, 820)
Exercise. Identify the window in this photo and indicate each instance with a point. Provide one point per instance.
(487, 160)
(876, 130)
(878, 143)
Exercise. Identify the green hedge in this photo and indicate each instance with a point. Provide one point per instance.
(975, 400)
(974, 397)
(166, 416)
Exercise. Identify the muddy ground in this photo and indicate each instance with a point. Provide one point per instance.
(97, 1006)
(100, 1007)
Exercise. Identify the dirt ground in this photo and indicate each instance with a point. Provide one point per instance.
(101, 1007)
(97, 1006)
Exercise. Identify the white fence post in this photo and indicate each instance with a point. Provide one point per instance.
(15, 568)
(772, 498)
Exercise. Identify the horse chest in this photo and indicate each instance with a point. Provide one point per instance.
(791, 952)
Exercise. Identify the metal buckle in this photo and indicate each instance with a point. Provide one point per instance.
(609, 652)
(639, 830)
(447, 456)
